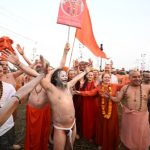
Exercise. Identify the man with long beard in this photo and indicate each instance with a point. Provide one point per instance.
(37, 117)
(60, 97)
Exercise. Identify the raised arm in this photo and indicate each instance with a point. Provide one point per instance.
(21, 52)
(10, 107)
(14, 59)
(64, 57)
(46, 84)
(78, 77)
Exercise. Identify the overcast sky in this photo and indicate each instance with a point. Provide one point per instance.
(122, 26)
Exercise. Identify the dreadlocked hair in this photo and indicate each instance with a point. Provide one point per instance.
(55, 79)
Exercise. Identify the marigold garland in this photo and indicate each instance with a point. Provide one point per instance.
(105, 89)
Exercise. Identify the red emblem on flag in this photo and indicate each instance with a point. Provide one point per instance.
(70, 12)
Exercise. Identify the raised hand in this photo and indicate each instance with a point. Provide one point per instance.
(88, 69)
(19, 49)
(45, 65)
(12, 57)
(76, 63)
(90, 62)
(67, 47)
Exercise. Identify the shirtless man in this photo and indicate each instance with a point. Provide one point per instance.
(135, 130)
(37, 103)
(9, 77)
(60, 97)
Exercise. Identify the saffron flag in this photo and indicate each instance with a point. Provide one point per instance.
(70, 12)
(85, 34)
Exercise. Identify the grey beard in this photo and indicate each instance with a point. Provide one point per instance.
(62, 86)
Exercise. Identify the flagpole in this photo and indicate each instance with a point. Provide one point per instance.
(71, 52)
(101, 61)
(68, 34)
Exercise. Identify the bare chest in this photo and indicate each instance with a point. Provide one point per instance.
(137, 98)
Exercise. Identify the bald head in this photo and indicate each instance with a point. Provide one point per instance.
(132, 72)
(146, 77)
(135, 78)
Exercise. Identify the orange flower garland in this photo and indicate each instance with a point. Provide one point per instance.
(105, 89)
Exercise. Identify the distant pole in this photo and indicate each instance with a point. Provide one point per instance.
(101, 61)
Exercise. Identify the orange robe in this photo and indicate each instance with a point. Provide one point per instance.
(37, 127)
(135, 130)
(88, 113)
(107, 130)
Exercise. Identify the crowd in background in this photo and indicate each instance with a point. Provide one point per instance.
(94, 99)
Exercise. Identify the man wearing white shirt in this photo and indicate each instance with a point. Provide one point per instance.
(7, 129)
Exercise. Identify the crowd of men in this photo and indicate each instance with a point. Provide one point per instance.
(66, 104)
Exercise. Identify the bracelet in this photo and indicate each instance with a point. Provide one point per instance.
(18, 98)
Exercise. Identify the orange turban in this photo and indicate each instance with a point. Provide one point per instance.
(6, 43)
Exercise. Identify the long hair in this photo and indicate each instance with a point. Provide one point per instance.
(55, 79)
(85, 82)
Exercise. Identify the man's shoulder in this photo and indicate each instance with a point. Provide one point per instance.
(146, 86)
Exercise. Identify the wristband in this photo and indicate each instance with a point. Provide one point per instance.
(18, 98)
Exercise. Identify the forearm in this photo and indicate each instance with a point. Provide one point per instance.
(17, 73)
(88, 93)
(27, 69)
(63, 60)
(76, 78)
(27, 88)
(26, 59)
(8, 109)
(114, 99)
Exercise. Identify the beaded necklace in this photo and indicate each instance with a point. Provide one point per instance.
(125, 96)
(140, 98)
(103, 105)
(37, 92)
